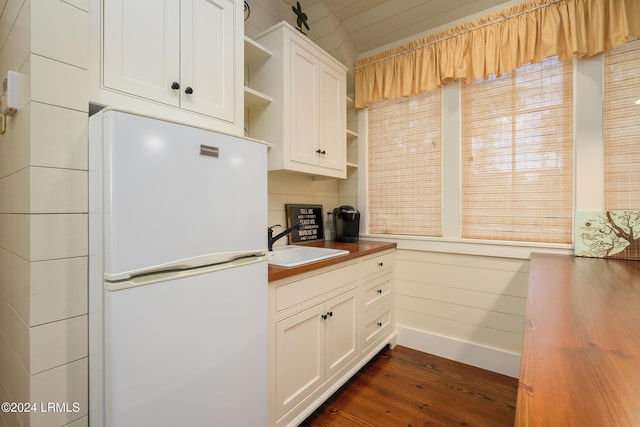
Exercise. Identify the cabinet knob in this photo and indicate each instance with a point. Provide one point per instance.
(188, 90)
(321, 152)
(329, 314)
(379, 291)
(175, 85)
(379, 324)
(380, 264)
(324, 316)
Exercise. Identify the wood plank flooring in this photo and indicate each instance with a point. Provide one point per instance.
(405, 387)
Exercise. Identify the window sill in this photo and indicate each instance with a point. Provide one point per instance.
(503, 249)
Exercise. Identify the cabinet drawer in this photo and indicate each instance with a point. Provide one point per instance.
(377, 292)
(376, 325)
(378, 264)
(293, 293)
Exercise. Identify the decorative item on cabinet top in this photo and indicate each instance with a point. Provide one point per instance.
(302, 18)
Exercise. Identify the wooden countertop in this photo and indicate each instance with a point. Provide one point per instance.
(581, 349)
(358, 249)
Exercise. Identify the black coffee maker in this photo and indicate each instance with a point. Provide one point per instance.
(346, 223)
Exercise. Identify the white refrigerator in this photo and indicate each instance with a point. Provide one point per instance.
(177, 275)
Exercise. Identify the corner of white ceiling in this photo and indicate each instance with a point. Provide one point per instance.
(330, 34)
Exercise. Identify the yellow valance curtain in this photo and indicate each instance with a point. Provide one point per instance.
(497, 44)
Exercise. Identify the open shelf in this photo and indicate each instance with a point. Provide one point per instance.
(253, 98)
(254, 52)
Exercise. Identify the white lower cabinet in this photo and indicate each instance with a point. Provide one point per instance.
(313, 345)
(325, 325)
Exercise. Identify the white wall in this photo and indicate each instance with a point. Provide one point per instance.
(43, 212)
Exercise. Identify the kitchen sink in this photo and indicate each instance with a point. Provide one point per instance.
(293, 256)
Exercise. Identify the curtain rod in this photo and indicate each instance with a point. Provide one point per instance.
(506, 18)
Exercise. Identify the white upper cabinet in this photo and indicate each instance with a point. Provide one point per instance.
(142, 48)
(207, 61)
(306, 122)
(183, 54)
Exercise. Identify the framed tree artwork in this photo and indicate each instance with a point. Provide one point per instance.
(608, 234)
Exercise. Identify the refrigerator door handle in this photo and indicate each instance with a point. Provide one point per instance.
(165, 275)
(185, 264)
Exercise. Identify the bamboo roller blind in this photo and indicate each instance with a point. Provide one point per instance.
(517, 155)
(404, 194)
(622, 127)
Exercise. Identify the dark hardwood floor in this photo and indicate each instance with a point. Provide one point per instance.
(405, 387)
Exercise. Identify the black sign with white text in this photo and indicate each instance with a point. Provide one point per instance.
(310, 216)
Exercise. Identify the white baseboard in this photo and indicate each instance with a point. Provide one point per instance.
(492, 359)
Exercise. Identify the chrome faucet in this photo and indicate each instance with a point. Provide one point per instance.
(272, 239)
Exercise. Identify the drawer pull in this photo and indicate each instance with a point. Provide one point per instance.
(379, 324)
(379, 291)
(380, 264)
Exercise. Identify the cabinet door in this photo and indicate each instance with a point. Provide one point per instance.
(208, 57)
(299, 357)
(303, 95)
(332, 118)
(142, 48)
(340, 332)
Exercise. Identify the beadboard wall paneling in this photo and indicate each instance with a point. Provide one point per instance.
(43, 211)
(467, 298)
(14, 269)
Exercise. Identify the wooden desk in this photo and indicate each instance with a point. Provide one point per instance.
(581, 349)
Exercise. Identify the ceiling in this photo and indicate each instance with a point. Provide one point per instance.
(372, 24)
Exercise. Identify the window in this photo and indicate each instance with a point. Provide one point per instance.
(622, 128)
(404, 166)
(517, 155)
